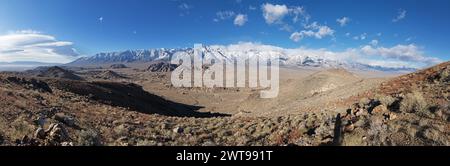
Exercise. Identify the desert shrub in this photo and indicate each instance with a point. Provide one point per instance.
(413, 102)
(121, 130)
(363, 102)
(18, 128)
(444, 75)
(88, 138)
(385, 100)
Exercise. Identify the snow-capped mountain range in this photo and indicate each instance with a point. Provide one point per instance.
(287, 57)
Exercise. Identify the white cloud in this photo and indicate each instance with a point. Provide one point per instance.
(396, 56)
(185, 9)
(100, 19)
(409, 39)
(400, 16)
(406, 53)
(184, 6)
(299, 14)
(224, 15)
(251, 7)
(313, 30)
(343, 21)
(296, 36)
(274, 13)
(240, 20)
(374, 42)
(31, 46)
(360, 37)
(286, 27)
(347, 34)
(363, 36)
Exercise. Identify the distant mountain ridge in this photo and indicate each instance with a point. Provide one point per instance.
(286, 59)
(23, 65)
(128, 56)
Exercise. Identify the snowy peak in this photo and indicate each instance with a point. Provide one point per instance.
(287, 57)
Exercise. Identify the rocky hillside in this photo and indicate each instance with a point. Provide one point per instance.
(56, 72)
(48, 111)
(409, 110)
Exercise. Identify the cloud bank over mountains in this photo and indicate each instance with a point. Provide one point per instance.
(30, 45)
(398, 56)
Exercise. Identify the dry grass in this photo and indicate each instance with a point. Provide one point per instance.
(413, 102)
(88, 138)
(385, 99)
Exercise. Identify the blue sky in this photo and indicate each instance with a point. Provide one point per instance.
(91, 26)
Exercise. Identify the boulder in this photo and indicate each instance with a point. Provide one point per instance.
(389, 116)
(349, 127)
(379, 110)
(67, 144)
(63, 118)
(57, 132)
(40, 133)
(360, 112)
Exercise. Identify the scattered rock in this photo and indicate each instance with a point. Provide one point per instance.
(349, 127)
(123, 139)
(30, 84)
(56, 132)
(26, 141)
(379, 110)
(67, 144)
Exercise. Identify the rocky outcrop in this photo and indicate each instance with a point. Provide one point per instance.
(58, 72)
(162, 67)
